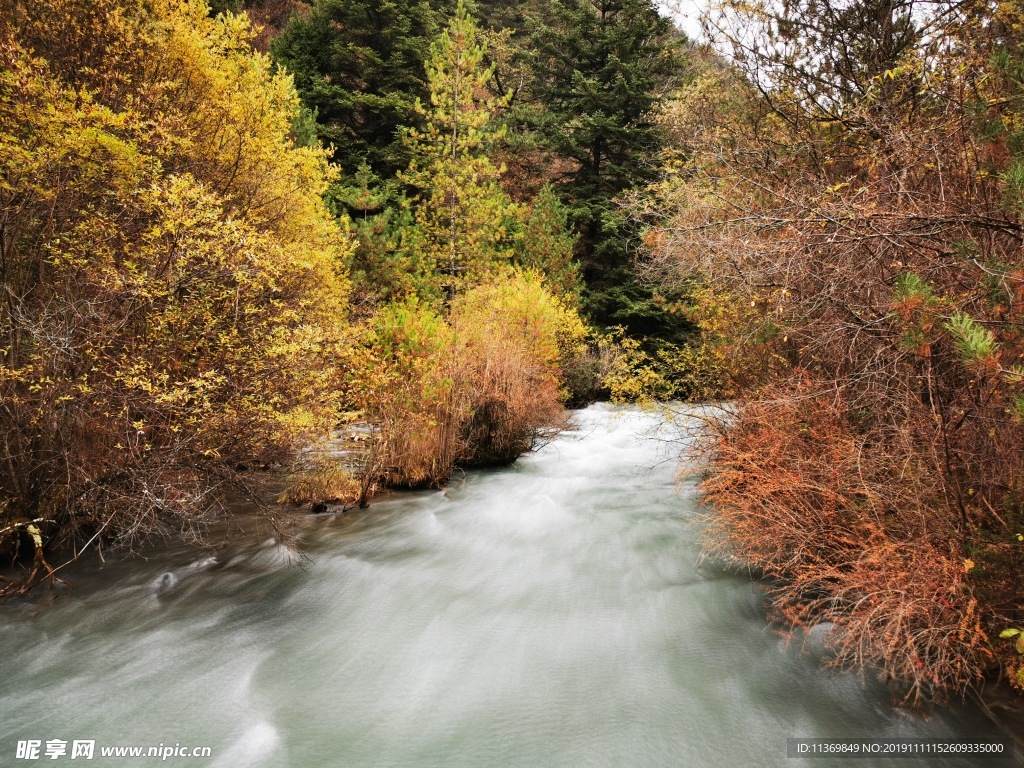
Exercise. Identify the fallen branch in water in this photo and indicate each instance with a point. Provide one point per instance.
(38, 562)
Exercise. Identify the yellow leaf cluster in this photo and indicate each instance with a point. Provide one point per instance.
(176, 300)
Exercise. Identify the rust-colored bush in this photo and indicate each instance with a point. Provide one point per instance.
(801, 495)
(858, 228)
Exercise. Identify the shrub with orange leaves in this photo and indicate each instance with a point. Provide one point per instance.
(851, 182)
(804, 497)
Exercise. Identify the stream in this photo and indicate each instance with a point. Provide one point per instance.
(552, 613)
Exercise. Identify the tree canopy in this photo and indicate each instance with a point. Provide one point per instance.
(360, 67)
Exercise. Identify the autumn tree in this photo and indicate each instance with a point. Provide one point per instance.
(477, 385)
(847, 206)
(172, 282)
(827, 60)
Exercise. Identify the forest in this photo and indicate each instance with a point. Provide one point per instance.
(229, 230)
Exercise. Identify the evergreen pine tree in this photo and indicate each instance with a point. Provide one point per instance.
(607, 62)
(359, 65)
(602, 66)
(461, 209)
(546, 244)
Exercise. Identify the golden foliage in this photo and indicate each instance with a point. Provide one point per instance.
(480, 387)
(514, 340)
(407, 388)
(173, 296)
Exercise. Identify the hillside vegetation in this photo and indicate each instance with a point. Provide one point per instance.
(843, 204)
(212, 257)
(229, 232)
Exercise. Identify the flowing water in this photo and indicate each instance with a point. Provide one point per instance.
(555, 613)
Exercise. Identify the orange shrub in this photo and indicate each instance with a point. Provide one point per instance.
(801, 496)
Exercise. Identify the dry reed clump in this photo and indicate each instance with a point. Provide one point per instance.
(321, 482)
(417, 450)
(801, 495)
(507, 416)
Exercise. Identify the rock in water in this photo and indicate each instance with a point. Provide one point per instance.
(165, 582)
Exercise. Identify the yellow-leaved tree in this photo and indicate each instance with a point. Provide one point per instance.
(515, 341)
(480, 386)
(172, 294)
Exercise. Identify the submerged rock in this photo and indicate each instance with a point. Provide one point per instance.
(165, 582)
(204, 564)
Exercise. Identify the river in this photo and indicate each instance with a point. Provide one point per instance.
(554, 613)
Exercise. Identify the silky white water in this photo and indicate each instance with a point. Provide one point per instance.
(554, 613)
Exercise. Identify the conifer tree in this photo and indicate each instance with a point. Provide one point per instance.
(360, 66)
(461, 210)
(547, 245)
(607, 61)
(602, 67)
